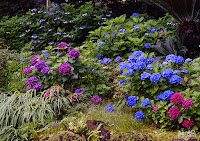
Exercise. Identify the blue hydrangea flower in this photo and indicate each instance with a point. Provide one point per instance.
(153, 29)
(137, 53)
(139, 115)
(175, 79)
(188, 60)
(106, 61)
(155, 77)
(98, 56)
(118, 58)
(129, 72)
(135, 14)
(139, 66)
(136, 27)
(145, 75)
(122, 81)
(132, 100)
(123, 30)
(179, 60)
(167, 73)
(142, 59)
(109, 108)
(185, 71)
(177, 71)
(101, 43)
(132, 58)
(171, 57)
(166, 95)
(150, 60)
(146, 102)
(147, 45)
(150, 67)
(122, 66)
(114, 32)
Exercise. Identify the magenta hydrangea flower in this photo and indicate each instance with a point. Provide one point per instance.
(177, 98)
(174, 113)
(74, 53)
(96, 100)
(37, 86)
(32, 80)
(187, 103)
(79, 90)
(155, 108)
(34, 60)
(40, 65)
(198, 77)
(45, 70)
(188, 123)
(63, 44)
(27, 70)
(65, 68)
(28, 87)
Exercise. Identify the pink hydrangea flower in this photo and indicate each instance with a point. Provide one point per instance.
(74, 53)
(177, 98)
(27, 70)
(188, 123)
(174, 113)
(187, 103)
(155, 108)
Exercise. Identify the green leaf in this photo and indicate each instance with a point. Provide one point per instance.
(114, 48)
(195, 128)
(180, 119)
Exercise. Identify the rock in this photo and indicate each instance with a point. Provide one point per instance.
(93, 124)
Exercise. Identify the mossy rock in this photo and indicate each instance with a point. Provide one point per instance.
(66, 136)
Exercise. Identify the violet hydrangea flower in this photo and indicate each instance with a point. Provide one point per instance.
(96, 100)
(63, 44)
(74, 53)
(27, 70)
(32, 80)
(65, 68)
(34, 60)
(109, 108)
(40, 65)
(187, 103)
(79, 90)
(37, 86)
(45, 70)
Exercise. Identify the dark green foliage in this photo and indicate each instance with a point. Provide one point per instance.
(62, 23)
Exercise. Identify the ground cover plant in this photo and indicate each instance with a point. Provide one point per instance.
(117, 75)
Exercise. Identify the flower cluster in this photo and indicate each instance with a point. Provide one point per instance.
(132, 100)
(175, 79)
(37, 86)
(34, 60)
(109, 108)
(187, 103)
(32, 80)
(146, 102)
(177, 98)
(155, 108)
(139, 115)
(129, 72)
(166, 95)
(74, 53)
(118, 58)
(150, 67)
(167, 73)
(40, 65)
(79, 90)
(188, 123)
(63, 44)
(174, 59)
(45, 70)
(155, 77)
(106, 61)
(96, 100)
(65, 68)
(27, 70)
(145, 75)
(174, 113)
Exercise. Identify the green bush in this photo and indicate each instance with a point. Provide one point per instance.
(45, 27)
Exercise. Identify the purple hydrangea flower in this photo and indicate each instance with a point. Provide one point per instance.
(65, 68)
(34, 60)
(96, 100)
(28, 87)
(40, 65)
(45, 70)
(27, 70)
(123, 30)
(74, 53)
(79, 90)
(32, 80)
(37, 86)
(63, 44)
